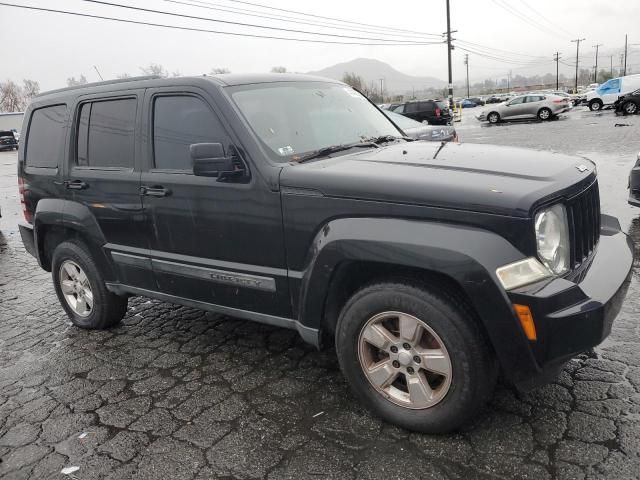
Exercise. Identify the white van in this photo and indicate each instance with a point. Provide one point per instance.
(609, 91)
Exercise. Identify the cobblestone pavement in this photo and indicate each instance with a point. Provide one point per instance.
(176, 393)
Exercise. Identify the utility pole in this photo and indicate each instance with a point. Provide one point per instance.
(577, 42)
(625, 56)
(595, 74)
(466, 62)
(611, 57)
(621, 63)
(449, 48)
(381, 90)
(556, 57)
(509, 81)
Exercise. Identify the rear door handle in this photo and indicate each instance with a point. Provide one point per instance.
(155, 191)
(75, 185)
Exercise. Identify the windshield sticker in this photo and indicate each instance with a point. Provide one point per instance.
(284, 151)
(352, 92)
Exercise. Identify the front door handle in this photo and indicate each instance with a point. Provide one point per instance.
(75, 185)
(155, 191)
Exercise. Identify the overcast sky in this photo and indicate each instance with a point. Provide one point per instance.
(51, 47)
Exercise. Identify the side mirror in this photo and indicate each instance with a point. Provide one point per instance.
(209, 160)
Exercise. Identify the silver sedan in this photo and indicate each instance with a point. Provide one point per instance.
(543, 107)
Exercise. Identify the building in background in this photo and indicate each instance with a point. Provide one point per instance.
(10, 121)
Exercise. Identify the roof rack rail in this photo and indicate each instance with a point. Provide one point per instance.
(98, 84)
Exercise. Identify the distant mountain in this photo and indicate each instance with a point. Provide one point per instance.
(373, 70)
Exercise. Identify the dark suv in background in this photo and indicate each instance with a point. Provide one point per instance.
(434, 112)
(294, 201)
(8, 140)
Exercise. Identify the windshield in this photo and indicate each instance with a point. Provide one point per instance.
(295, 118)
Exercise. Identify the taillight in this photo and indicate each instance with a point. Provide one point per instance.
(437, 112)
(560, 101)
(27, 215)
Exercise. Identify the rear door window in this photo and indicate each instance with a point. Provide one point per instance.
(426, 107)
(106, 133)
(412, 108)
(45, 143)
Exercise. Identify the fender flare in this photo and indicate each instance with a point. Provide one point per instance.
(468, 256)
(74, 216)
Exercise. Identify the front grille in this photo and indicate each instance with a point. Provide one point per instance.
(583, 212)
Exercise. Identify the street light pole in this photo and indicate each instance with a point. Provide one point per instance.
(556, 57)
(625, 56)
(595, 74)
(577, 42)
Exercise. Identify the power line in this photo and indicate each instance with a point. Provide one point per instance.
(483, 47)
(291, 19)
(240, 24)
(326, 18)
(501, 59)
(554, 24)
(203, 30)
(524, 18)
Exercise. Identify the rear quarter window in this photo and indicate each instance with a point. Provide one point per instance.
(45, 142)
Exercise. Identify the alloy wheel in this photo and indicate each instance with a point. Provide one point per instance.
(630, 108)
(76, 288)
(404, 360)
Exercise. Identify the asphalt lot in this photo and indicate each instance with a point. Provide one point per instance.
(177, 393)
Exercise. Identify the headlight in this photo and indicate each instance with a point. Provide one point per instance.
(552, 237)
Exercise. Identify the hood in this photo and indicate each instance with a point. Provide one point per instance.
(484, 178)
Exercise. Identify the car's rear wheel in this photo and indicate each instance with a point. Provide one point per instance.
(630, 108)
(544, 113)
(415, 356)
(81, 290)
(595, 105)
(493, 117)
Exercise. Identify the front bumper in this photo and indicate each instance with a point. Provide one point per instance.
(576, 313)
(634, 185)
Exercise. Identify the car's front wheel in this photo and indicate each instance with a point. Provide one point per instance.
(81, 290)
(493, 117)
(630, 108)
(415, 356)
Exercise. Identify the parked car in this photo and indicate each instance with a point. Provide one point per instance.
(420, 131)
(435, 112)
(292, 200)
(477, 100)
(8, 140)
(634, 184)
(494, 99)
(466, 103)
(544, 107)
(609, 91)
(628, 104)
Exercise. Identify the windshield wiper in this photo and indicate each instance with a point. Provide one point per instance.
(323, 152)
(387, 138)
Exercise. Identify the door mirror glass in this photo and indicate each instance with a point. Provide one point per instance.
(209, 160)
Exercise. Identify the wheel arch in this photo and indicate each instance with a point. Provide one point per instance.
(58, 220)
(350, 253)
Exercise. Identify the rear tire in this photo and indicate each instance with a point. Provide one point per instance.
(81, 289)
(451, 333)
(544, 114)
(595, 105)
(493, 117)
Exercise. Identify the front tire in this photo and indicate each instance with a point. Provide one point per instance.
(595, 105)
(493, 117)
(630, 108)
(544, 114)
(81, 290)
(415, 356)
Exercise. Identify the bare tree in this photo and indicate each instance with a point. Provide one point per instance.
(30, 88)
(124, 75)
(279, 69)
(354, 80)
(215, 71)
(72, 81)
(155, 69)
(11, 99)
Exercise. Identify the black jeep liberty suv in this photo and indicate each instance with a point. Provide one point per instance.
(293, 201)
